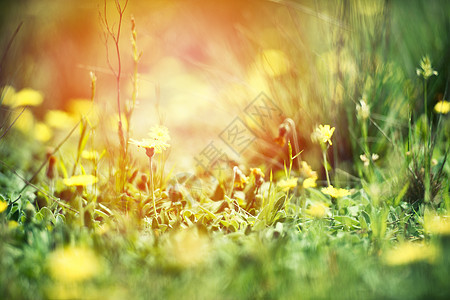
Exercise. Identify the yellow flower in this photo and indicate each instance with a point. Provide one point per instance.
(306, 171)
(323, 134)
(334, 192)
(59, 119)
(408, 252)
(3, 206)
(157, 143)
(73, 264)
(42, 132)
(160, 133)
(188, 247)
(435, 224)
(442, 107)
(25, 97)
(240, 180)
(24, 120)
(309, 182)
(426, 71)
(12, 224)
(287, 184)
(89, 155)
(28, 97)
(317, 210)
(80, 180)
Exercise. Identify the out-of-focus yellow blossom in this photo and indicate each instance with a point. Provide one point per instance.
(42, 132)
(59, 119)
(188, 247)
(306, 171)
(90, 155)
(363, 109)
(309, 182)
(409, 252)
(435, 224)
(28, 97)
(335, 192)
(287, 184)
(73, 264)
(240, 180)
(317, 210)
(12, 224)
(3, 206)
(258, 175)
(323, 134)
(442, 107)
(273, 62)
(84, 108)
(80, 180)
(426, 70)
(25, 97)
(366, 161)
(79, 106)
(25, 120)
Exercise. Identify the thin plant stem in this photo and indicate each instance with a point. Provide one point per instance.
(151, 186)
(325, 164)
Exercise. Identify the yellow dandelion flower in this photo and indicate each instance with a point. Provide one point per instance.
(426, 70)
(80, 180)
(157, 145)
(408, 252)
(317, 210)
(42, 132)
(160, 133)
(188, 247)
(435, 224)
(240, 180)
(442, 107)
(28, 97)
(24, 120)
(306, 171)
(309, 182)
(89, 155)
(334, 192)
(73, 264)
(59, 119)
(25, 97)
(323, 134)
(287, 184)
(3, 206)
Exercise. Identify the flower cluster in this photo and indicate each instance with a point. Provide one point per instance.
(335, 192)
(426, 71)
(323, 134)
(157, 143)
(363, 109)
(442, 107)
